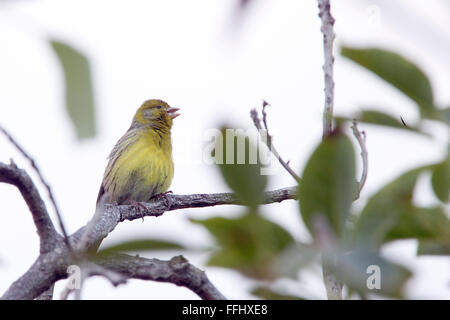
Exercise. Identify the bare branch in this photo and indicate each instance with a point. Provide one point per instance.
(43, 273)
(328, 39)
(175, 202)
(177, 271)
(52, 266)
(267, 139)
(47, 294)
(361, 137)
(332, 284)
(41, 178)
(45, 229)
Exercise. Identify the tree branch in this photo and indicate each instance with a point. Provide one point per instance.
(41, 178)
(45, 229)
(332, 284)
(361, 137)
(267, 139)
(175, 202)
(177, 271)
(52, 266)
(328, 39)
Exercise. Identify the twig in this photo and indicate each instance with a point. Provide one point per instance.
(328, 39)
(361, 137)
(43, 181)
(177, 271)
(332, 284)
(45, 229)
(265, 104)
(267, 139)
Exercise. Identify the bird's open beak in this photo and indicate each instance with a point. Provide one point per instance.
(173, 112)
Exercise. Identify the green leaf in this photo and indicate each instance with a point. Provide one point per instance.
(78, 89)
(269, 294)
(238, 161)
(398, 71)
(294, 258)
(420, 223)
(391, 214)
(141, 245)
(382, 119)
(248, 244)
(429, 247)
(445, 115)
(359, 270)
(329, 185)
(440, 180)
(383, 210)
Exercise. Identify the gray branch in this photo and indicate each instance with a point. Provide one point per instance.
(332, 284)
(177, 271)
(41, 178)
(361, 138)
(328, 39)
(51, 265)
(267, 139)
(11, 174)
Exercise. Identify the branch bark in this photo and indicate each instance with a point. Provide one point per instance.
(48, 236)
(51, 265)
(361, 138)
(177, 271)
(41, 178)
(332, 284)
(267, 139)
(328, 38)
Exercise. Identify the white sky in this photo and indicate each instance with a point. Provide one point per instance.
(193, 55)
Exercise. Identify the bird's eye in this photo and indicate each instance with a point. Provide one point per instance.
(158, 107)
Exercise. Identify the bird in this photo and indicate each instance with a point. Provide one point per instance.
(140, 166)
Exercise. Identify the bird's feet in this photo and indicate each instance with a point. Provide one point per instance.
(164, 197)
(140, 208)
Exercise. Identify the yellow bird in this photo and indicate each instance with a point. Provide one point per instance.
(140, 165)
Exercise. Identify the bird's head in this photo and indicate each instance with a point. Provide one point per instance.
(155, 113)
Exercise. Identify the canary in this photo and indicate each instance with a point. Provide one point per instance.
(140, 165)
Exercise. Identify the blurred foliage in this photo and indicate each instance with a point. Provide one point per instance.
(440, 180)
(248, 244)
(329, 184)
(381, 119)
(434, 247)
(391, 214)
(398, 71)
(353, 269)
(78, 89)
(238, 161)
